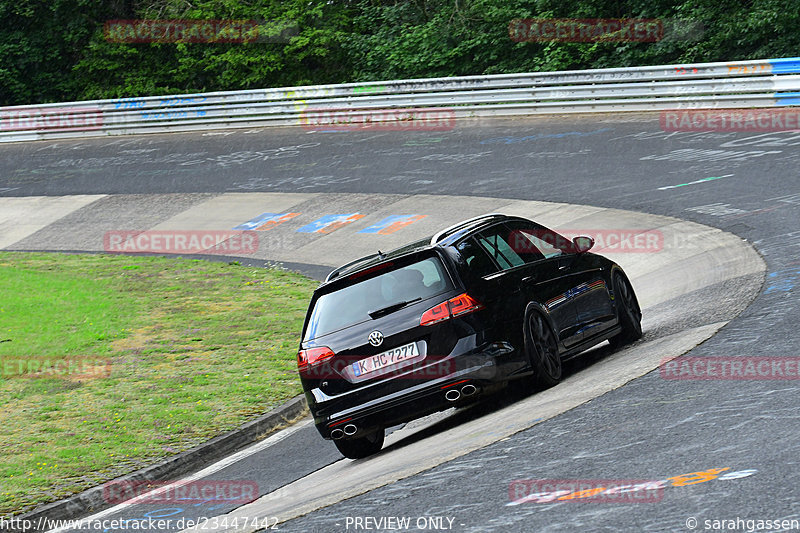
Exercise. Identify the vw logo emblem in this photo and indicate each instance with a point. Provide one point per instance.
(376, 338)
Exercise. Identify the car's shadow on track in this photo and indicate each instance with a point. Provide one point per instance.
(514, 392)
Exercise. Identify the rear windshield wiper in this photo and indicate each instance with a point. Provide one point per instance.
(391, 308)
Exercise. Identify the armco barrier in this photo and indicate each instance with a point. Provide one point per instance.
(740, 84)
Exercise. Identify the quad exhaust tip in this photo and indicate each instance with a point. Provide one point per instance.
(337, 434)
(469, 390)
(452, 395)
(350, 429)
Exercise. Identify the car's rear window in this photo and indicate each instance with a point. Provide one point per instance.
(352, 304)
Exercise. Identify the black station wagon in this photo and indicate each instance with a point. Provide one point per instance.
(395, 336)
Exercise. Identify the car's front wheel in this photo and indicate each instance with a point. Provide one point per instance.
(542, 348)
(361, 447)
(628, 313)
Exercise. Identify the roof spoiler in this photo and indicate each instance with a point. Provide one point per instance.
(335, 272)
(455, 227)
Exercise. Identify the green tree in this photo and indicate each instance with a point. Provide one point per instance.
(58, 51)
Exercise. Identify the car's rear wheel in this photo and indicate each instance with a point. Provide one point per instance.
(542, 348)
(361, 447)
(628, 313)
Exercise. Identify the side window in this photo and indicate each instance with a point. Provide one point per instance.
(538, 241)
(494, 242)
(476, 258)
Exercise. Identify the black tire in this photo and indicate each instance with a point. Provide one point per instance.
(542, 348)
(628, 313)
(362, 446)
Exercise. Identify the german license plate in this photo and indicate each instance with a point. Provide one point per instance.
(387, 358)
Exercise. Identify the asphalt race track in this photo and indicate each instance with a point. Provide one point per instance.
(456, 471)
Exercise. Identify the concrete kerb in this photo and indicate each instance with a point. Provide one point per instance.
(92, 500)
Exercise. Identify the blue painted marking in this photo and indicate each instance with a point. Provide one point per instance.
(128, 103)
(211, 507)
(182, 100)
(260, 220)
(170, 511)
(391, 224)
(781, 281)
(784, 99)
(785, 65)
(329, 223)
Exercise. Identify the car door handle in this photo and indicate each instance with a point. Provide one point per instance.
(565, 263)
(529, 279)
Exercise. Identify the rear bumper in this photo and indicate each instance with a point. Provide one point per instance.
(411, 397)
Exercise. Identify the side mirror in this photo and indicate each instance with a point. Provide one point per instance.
(583, 244)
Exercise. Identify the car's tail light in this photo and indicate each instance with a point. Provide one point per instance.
(460, 305)
(313, 357)
(435, 314)
(463, 304)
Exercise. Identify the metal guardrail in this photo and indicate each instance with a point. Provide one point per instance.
(741, 84)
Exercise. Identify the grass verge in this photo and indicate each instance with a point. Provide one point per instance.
(195, 349)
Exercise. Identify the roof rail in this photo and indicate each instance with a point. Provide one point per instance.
(336, 271)
(436, 238)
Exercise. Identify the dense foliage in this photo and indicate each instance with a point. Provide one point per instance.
(57, 50)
